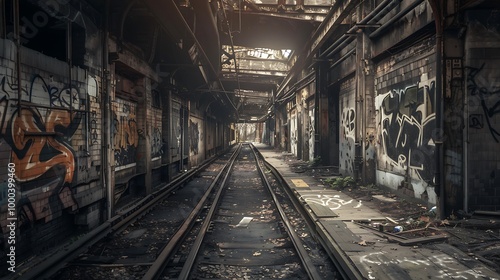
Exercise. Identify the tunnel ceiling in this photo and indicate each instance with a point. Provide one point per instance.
(241, 62)
(258, 40)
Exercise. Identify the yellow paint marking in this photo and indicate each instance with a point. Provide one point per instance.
(299, 183)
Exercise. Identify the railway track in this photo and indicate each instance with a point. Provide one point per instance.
(229, 219)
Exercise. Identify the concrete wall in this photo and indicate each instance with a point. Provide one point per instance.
(482, 65)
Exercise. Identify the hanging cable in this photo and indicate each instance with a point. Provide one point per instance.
(232, 50)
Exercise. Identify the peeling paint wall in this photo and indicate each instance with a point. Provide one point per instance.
(196, 137)
(156, 134)
(293, 132)
(482, 69)
(125, 133)
(310, 132)
(177, 129)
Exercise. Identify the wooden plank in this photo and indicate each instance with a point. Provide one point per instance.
(390, 269)
(344, 237)
(322, 211)
(299, 183)
(467, 261)
(382, 234)
(423, 240)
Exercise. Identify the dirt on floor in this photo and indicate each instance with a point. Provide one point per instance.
(477, 234)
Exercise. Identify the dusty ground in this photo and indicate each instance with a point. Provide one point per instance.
(478, 235)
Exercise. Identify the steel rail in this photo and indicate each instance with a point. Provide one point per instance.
(156, 269)
(337, 256)
(188, 265)
(296, 240)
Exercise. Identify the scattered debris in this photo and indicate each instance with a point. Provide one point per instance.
(244, 222)
(423, 240)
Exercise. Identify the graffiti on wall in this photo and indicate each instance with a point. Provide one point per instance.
(156, 139)
(156, 143)
(311, 132)
(39, 135)
(447, 265)
(347, 126)
(348, 122)
(406, 123)
(293, 133)
(484, 99)
(347, 141)
(194, 137)
(94, 136)
(125, 133)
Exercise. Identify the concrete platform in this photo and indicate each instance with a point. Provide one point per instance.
(360, 251)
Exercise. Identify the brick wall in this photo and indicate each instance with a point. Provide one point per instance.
(53, 140)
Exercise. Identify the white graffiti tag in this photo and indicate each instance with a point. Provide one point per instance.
(449, 267)
(331, 201)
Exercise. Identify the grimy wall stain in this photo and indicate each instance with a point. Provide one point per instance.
(125, 133)
(156, 134)
(482, 70)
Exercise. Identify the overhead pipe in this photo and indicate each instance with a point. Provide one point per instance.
(107, 167)
(378, 13)
(301, 63)
(297, 86)
(207, 32)
(236, 70)
(393, 19)
(158, 7)
(251, 5)
(344, 57)
(439, 135)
